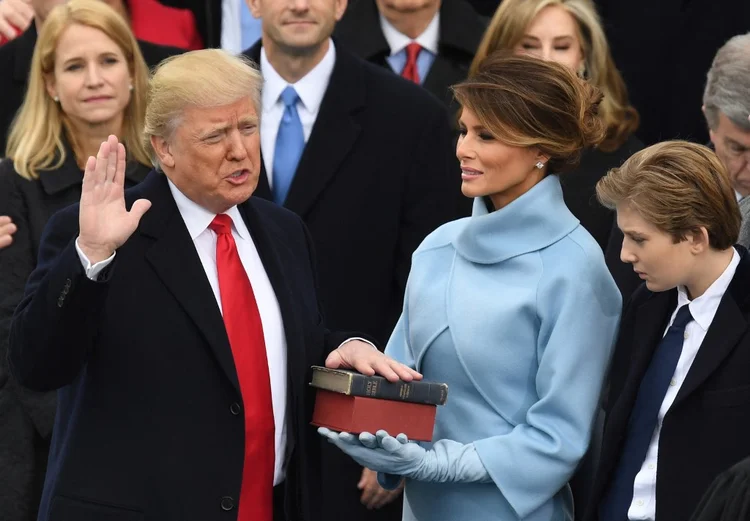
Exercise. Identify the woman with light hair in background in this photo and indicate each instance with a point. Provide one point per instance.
(570, 32)
(88, 80)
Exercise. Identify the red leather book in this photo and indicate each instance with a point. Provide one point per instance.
(355, 414)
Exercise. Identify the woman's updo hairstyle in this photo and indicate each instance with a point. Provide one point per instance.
(527, 102)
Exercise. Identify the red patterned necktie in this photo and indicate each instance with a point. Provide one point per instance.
(410, 71)
(245, 332)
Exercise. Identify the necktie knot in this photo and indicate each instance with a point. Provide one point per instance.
(289, 97)
(412, 51)
(683, 317)
(222, 224)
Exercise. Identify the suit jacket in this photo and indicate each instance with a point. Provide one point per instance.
(728, 497)
(207, 17)
(744, 238)
(706, 429)
(461, 30)
(15, 62)
(28, 415)
(374, 179)
(147, 425)
(518, 390)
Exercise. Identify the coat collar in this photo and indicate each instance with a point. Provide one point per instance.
(460, 29)
(533, 221)
(69, 174)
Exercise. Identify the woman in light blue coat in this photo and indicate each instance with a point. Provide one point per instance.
(513, 307)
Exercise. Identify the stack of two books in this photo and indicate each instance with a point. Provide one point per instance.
(352, 402)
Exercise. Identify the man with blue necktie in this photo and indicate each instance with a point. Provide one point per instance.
(366, 159)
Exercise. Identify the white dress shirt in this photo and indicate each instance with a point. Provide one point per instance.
(398, 41)
(311, 88)
(703, 310)
(197, 220)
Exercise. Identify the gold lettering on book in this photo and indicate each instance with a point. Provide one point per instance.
(372, 388)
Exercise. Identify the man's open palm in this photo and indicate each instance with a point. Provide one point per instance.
(105, 224)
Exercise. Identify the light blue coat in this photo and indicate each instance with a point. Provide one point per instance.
(516, 311)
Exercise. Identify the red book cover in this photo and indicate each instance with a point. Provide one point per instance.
(355, 414)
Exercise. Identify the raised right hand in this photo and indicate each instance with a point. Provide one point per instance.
(7, 229)
(16, 14)
(105, 224)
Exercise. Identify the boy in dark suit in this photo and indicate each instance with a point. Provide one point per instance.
(678, 403)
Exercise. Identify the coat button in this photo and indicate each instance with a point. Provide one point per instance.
(235, 408)
(227, 503)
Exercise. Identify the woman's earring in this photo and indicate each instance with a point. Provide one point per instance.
(57, 100)
(131, 87)
(539, 165)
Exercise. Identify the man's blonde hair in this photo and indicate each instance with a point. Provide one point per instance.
(35, 141)
(204, 78)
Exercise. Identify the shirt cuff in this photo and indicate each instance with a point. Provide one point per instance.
(93, 271)
(350, 339)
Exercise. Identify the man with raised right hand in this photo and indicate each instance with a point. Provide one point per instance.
(179, 322)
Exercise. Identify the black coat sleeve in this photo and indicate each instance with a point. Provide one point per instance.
(54, 327)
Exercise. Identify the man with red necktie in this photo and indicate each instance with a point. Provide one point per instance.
(428, 42)
(179, 322)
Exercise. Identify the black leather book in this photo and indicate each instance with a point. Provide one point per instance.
(356, 384)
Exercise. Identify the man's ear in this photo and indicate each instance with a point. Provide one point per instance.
(340, 9)
(163, 151)
(699, 240)
(255, 8)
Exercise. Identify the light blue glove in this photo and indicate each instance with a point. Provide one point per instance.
(447, 461)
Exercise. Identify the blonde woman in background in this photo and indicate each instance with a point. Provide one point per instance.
(570, 32)
(87, 80)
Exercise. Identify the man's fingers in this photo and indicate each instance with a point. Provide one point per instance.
(6, 29)
(112, 158)
(5, 240)
(119, 178)
(140, 207)
(100, 170)
(4, 219)
(20, 15)
(405, 373)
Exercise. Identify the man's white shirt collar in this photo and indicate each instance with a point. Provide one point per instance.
(398, 41)
(310, 88)
(198, 218)
(703, 308)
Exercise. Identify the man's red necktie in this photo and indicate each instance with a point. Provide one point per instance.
(245, 332)
(410, 71)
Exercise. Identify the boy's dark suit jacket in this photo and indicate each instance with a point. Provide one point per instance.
(706, 430)
(377, 175)
(147, 424)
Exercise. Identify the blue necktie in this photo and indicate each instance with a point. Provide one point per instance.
(290, 142)
(643, 419)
